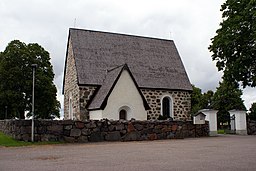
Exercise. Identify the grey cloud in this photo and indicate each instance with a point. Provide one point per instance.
(191, 23)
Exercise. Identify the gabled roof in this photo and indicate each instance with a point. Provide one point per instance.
(200, 113)
(154, 63)
(112, 76)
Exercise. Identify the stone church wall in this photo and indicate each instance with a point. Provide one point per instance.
(181, 103)
(71, 89)
(79, 95)
(86, 92)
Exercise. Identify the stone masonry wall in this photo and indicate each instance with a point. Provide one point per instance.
(71, 88)
(86, 93)
(80, 95)
(181, 103)
(103, 130)
(251, 127)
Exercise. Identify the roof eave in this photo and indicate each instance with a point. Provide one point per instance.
(65, 65)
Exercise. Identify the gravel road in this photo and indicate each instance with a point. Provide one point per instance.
(229, 152)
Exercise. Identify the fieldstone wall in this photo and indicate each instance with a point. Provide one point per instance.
(181, 103)
(79, 95)
(251, 127)
(71, 89)
(85, 93)
(103, 130)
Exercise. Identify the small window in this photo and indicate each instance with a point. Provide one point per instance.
(70, 107)
(167, 107)
(123, 114)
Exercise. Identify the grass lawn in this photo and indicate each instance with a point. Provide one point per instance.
(7, 141)
(221, 131)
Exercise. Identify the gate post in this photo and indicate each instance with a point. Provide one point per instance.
(211, 116)
(240, 121)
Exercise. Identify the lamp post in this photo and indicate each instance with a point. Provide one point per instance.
(33, 101)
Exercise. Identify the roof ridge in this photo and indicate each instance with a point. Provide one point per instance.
(122, 34)
(154, 63)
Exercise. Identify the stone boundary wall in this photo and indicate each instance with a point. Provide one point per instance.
(251, 127)
(103, 130)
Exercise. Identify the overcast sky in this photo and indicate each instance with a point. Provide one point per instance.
(190, 23)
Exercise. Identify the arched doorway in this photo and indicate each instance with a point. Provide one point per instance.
(122, 114)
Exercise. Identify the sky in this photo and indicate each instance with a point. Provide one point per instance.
(191, 24)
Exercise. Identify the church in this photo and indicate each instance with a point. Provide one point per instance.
(119, 76)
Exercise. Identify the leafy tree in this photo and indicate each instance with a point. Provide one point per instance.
(207, 99)
(234, 46)
(200, 101)
(252, 114)
(16, 81)
(196, 97)
(227, 97)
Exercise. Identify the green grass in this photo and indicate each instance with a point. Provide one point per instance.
(7, 141)
(221, 131)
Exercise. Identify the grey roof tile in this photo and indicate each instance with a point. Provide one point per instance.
(154, 63)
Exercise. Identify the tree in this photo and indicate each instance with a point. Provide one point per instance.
(207, 99)
(234, 46)
(196, 97)
(252, 114)
(227, 97)
(200, 101)
(16, 81)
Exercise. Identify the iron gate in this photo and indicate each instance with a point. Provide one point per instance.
(232, 124)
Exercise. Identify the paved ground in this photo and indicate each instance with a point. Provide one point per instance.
(214, 153)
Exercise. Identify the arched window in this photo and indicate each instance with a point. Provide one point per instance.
(123, 114)
(167, 107)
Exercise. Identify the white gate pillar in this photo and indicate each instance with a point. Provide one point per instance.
(211, 116)
(240, 121)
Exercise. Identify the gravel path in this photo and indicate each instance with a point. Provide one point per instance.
(229, 152)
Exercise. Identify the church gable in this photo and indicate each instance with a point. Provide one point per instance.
(111, 78)
(122, 99)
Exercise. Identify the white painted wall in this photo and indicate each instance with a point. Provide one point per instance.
(96, 114)
(125, 94)
(240, 121)
(211, 116)
(199, 119)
